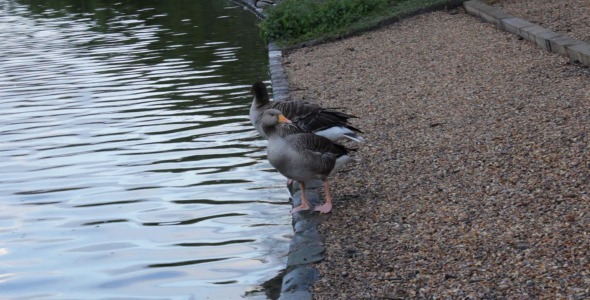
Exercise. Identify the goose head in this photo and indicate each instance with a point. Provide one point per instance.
(271, 118)
(260, 93)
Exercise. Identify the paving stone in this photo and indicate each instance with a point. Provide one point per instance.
(543, 40)
(473, 7)
(492, 14)
(543, 37)
(306, 224)
(296, 295)
(305, 256)
(559, 44)
(580, 52)
(515, 25)
(299, 278)
(306, 238)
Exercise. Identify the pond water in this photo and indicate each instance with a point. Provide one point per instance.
(128, 166)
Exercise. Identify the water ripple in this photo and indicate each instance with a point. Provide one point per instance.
(128, 161)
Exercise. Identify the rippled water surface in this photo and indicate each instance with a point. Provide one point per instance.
(128, 167)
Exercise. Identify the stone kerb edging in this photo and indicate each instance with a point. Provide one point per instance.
(543, 37)
(306, 247)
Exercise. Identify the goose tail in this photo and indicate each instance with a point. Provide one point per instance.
(353, 137)
(337, 133)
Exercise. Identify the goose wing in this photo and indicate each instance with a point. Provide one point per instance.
(289, 129)
(311, 117)
(316, 152)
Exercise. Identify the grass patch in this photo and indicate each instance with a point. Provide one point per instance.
(297, 21)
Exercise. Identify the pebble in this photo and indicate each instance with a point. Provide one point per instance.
(474, 180)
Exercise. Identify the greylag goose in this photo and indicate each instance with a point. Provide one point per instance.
(305, 117)
(302, 157)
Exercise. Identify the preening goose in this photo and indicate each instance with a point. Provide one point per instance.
(302, 157)
(305, 117)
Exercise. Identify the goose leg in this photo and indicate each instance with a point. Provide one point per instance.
(304, 203)
(326, 207)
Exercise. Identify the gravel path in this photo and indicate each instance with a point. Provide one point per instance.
(571, 17)
(475, 176)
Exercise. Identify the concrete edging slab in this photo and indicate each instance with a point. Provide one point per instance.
(306, 247)
(544, 38)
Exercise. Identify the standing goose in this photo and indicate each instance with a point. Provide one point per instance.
(305, 117)
(302, 157)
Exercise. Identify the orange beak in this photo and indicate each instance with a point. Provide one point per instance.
(282, 119)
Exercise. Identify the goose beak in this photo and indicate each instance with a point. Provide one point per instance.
(282, 119)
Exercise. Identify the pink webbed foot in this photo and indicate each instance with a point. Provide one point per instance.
(324, 208)
(304, 203)
(300, 208)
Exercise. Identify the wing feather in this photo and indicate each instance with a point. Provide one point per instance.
(311, 117)
(318, 152)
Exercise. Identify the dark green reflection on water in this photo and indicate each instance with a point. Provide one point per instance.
(130, 164)
(191, 30)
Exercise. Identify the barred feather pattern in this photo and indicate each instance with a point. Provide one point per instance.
(311, 117)
(306, 117)
(301, 156)
(317, 151)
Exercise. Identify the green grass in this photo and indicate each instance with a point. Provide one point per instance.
(297, 21)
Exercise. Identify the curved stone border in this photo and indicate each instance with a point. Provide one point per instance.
(306, 247)
(543, 37)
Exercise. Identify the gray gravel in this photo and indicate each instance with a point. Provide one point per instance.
(570, 17)
(475, 176)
